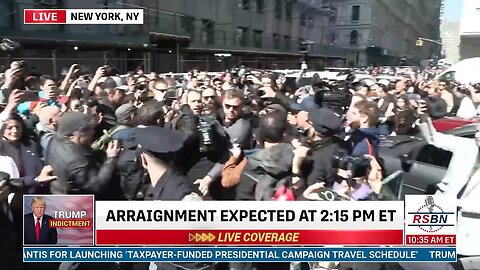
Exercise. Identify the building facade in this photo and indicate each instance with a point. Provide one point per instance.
(384, 32)
(450, 36)
(178, 35)
(470, 29)
(451, 41)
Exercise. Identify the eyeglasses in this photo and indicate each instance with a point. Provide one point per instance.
(209, 97)
(228, 106)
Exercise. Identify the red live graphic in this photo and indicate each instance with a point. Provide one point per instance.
(47, 16)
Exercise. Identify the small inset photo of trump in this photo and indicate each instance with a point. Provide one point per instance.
(58, 219)
(36, 224)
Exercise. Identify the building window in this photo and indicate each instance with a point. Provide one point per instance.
(301, 45)
(208, 32)
(332, 19)
(188, 25)
(278, 9)
(354, 37)
(288, 10)
(303, 19)
(260, 6)
(244, 4)
(276, 41)
(332, 38)
(310, 22)
(287, 42)
(257, 38)
(242, 35)
(225, 38)
(355, 13)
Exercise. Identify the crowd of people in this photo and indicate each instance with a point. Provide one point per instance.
(234, 136)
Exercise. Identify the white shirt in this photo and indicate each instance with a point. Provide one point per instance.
(463, 173)
(35, 220)
(467, 109)
(7, 165)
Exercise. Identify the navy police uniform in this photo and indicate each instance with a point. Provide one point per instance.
(327, 123)
(172, 186)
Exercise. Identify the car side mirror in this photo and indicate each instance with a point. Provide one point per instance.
(406, 162)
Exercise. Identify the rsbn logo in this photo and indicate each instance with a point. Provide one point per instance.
(431, 217)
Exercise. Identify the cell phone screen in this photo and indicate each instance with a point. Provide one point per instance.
(29, 95)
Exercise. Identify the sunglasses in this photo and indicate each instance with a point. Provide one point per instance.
(350, 182)
(161, 89)
(209, 97)
(228, 106)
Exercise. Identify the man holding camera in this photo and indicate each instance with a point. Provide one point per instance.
(206, 146)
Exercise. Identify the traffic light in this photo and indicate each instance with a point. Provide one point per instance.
(419, 43)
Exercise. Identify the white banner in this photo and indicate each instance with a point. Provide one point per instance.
(249, 215)
(104, 16)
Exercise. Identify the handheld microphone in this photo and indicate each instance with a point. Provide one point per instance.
(430, 203)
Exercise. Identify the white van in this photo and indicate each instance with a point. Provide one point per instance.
(465, 71)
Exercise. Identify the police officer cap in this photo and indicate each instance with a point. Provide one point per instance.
(325, 121)
(158, 140)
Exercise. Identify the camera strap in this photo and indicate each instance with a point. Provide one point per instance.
(369, 145)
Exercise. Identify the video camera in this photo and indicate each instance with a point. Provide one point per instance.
(357, 165)
(170, 96)
(8, 45)
(206, 128)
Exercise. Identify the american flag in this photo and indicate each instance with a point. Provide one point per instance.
(67, 236)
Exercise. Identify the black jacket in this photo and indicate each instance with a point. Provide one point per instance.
(47, 235)
(172, 186)
(77, 169)
(264, 170)
(190, 160)
(320, 164)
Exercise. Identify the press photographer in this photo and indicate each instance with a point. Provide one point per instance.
(206, 146)
(358, 178)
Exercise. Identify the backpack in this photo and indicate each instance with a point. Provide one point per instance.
(133, 180)
(271, 189)
(284, 192)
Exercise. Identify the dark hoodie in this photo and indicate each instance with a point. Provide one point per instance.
(364, 141)
(264, 170)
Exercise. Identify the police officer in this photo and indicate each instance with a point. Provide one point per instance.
(158, 147)
(324, 126)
